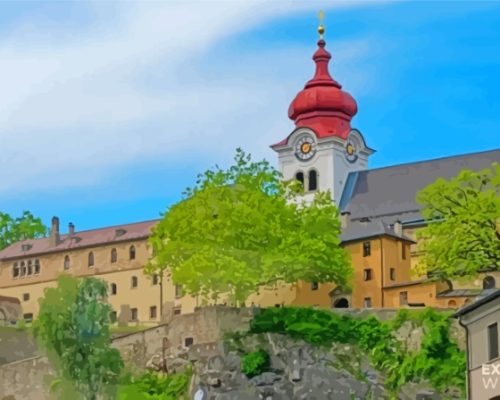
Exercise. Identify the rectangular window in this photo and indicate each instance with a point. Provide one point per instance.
(152, 312)
(178, 291)
(392, 274)
(367, 274)
(26, 296)
(188, 342)
(403, 298)
(366, 249)
(155, 279)
(28, 317)
(133, 314)
(314, 286)
(367, 302)
(403, 250)
(493, 341)
(112, 317)
(177, 311)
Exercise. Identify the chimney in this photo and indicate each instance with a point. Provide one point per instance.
(344, 219)
(398, 228)
(54, 238)
(71, 229)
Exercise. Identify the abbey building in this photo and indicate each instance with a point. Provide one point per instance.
(324, 152)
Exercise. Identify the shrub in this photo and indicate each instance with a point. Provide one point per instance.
(153, 386)
(255, 363)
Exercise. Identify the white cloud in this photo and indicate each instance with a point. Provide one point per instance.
(74, 110)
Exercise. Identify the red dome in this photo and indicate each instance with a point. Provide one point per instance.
(322, 105)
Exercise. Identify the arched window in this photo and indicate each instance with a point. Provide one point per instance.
(67, 262)
(30, 267)
(23, 268)
(134, 282)
(114, 289)
(114, 255)
(131, 253)
(313, 180)
(300, 177)
(489, 282)
(37, 267)
(91, 259)
(341, 303)
(15, 270)
(452, 304)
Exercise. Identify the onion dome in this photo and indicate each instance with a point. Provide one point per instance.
(322, 105)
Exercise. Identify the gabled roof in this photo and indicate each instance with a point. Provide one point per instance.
(93, 237)
(364, 230)
(390, 192)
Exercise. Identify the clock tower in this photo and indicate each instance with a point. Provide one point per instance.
(323, 148)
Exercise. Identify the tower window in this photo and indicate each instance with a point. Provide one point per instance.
(91, 259)
(114, 256)
(67, 262)
(366, 249)
(114, 289)
(131, 253)
(300, 177)
(367, 274)
(313, 180)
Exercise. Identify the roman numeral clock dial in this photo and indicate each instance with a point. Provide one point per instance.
(305, 148)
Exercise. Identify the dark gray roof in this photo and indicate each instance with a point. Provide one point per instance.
(460, 293)
(364, 230)
(484, 297)
(389, 193)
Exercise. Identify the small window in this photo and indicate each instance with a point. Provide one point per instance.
(133, 314)
(37, 267)
(403, 250)
(91, 259)
(134, 282)
(392, 274)
(26, 296)
(131, 253)
(114, 256)
(314, 286)
(30, 267)
(15, 270)
(367, 274)
(300, 177)
(112, 317)
(489, 282)
(28, 317)
(23, 268)
(313, 180)
(152, 312)
(188, 342)
(366, 249)
(155, 279)
(67, 262)
(367, 303)
(492, 341)
(403, 298)
(178, 291)
(114, 289)
(177, 311)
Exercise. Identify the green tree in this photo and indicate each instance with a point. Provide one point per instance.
(73, 327)
(242, 228)
(15, 229)
(462, 236)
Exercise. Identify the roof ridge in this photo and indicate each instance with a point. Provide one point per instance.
(116, 226)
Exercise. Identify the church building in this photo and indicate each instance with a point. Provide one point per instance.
(324, 152)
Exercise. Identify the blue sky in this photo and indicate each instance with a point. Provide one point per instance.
(108, 110)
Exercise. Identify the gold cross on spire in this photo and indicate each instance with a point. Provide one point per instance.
(321, 27)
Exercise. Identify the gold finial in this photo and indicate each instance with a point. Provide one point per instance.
(321, 27)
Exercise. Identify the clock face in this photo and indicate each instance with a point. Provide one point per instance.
(350, 152)
(305, 148)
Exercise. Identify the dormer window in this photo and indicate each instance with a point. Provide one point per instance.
(26, 247)
(120, 232)
(114, 256)
(67, 262)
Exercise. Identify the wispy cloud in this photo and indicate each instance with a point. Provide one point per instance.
(74, 110)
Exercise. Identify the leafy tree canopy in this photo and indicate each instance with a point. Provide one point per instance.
(463, 233)
(73, 326)
(15, 229)
(241, 228)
